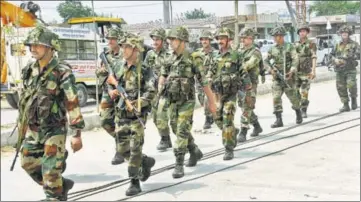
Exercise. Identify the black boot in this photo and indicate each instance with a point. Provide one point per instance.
(147, 164)
(278, 122)
(353, 103)
(67, 185)
(165, 143)
(257, 129)
(208, 123)
(228, 155)
(304, 112)
(195, 155)
(117, 159)
(345, 108)
(134, 188)
(242, 136)
(299, 118)
(179, 169)
(64, 161)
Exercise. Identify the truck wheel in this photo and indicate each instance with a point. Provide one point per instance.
(82, 94)
(13, 100)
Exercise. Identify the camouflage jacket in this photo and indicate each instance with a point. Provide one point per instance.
(128, 79)
(48, 95)
(306, 52)
(207, 57)
(181, 72)
(112, 58)
(154, 60)
(227, 74)
(252, 62)
(276, 54)
(348, 53)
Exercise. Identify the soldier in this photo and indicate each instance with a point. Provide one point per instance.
(252, 62)
(138, 83)
(154, 60)
(345, 54)
(208, 53)
(225, 74)
(284, 59)
(107, 108)
(49, 92)
(306, 51)
(177, 88)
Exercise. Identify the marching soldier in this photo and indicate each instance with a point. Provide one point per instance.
(138, 84)
(306, 51)
(282, 58)
(252, 62)
(227, 79)
(177, 88)
(107, 108)
(49, 92)
(345, 54)
(208, 53)
(154, 60)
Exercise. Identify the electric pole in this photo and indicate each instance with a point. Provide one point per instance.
(166, 13)
(236, 39)
(255, 15)
(96, 58)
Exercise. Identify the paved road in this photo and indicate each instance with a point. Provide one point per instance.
(327, 168)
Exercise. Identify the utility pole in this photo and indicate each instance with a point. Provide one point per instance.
(255, 15)
(166, 13)
(96, 58)
(236, 39)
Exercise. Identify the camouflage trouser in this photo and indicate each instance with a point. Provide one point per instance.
(225, 121)
(43, 160)
(203, 100)
(303, 86)
(181, 120)
(292, 94)
(107, 113)
(130, 134)
(161, 113)
(247, 104)
(346, 80)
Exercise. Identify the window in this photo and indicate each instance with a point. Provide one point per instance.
(77, 50)
(18, 49)
(68, 50)
(86, 50)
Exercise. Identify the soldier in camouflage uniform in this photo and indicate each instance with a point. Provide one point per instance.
(107, 108)
(284, 58)
(49, 93)
(134, 78)
(154, 60)
(252, 62)
(345, 54)
(227, 79)
(177, 88)
(208, 53)
(306, 51)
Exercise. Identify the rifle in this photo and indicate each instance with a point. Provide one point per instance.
(21, 136)
(104, 59)
(17, 149)
(280, 77)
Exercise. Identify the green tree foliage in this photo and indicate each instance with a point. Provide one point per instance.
(72, 9)
(197, 14)
(321, 7)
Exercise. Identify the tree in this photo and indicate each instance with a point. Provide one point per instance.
(196, 14)
(72, 9)
(334, 7)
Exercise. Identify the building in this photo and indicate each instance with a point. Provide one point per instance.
(318, 24)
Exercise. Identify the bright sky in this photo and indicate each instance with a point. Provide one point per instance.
(144, 11)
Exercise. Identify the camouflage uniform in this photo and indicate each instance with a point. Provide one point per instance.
(179, 93)
(252, 62)
(154, 61)
(129, 130)
(46, 98)
(107, 108)
(344, 59)
(228, 78)
(277, 53)
(208, 59)
(307, 51)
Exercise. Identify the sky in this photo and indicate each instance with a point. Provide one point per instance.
(144, 11)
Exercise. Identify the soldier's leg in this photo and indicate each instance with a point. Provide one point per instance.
(162, 124)
(208, 115)
(229, 134)
(107, 116)
(277, 92)
(293, 95)
(352, 87)
(341, 86)
(304, 88)
(257, 129)
(247, 109)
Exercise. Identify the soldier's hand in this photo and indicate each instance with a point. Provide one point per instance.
(212, 107)
(114, 94)
(312, 75)
(263, 79)
(289, 75)
(273, 72)
(76, 143)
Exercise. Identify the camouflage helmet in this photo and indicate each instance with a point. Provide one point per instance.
(279, 30)
(180, 33)
(122, 36)
(248, 32)
(134, 41)
(303, 26)
(43, 36)
(158, 32)
(113, 33)
(206, 34)
(224, 31)
(345, 28)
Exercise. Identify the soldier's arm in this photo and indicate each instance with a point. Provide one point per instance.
(148, 90)
(146, 60)
(253, 62)
(295, 59)
(267, 61)
(71, 102)
(313, 56)
(356, 51)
